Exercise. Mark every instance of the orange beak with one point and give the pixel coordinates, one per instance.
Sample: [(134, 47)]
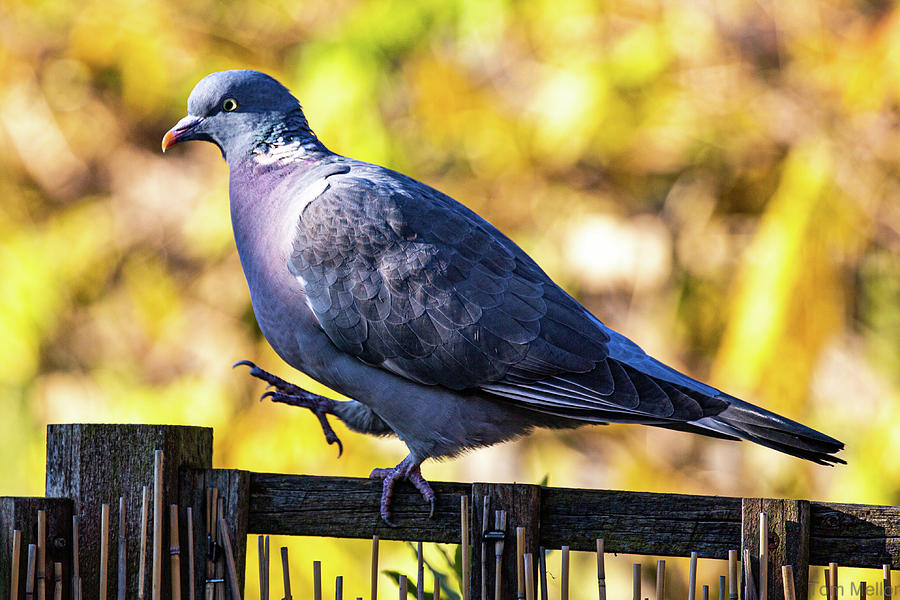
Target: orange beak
[(181, 132)]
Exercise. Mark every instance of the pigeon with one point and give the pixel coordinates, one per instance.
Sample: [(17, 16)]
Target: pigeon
[(438, 328)]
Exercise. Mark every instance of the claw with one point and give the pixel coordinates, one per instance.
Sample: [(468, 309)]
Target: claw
[(330, 436), (313, 403), (340, 447), (279, 390), (431, 510)]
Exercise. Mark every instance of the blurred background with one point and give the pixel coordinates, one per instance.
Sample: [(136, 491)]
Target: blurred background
[(718, 180)]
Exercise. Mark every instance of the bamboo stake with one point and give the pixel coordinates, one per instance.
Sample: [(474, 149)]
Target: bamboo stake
[(57, 581), (209, 548), (520, 562), (190, 543), (888, 587), (142, 565), (268, 568), (76, 567), (833, 567), (212, 503), (374, 581), (705, 593), (155, 589), (30, 571), (263, 567), (420, 569), (636, 581), (722, 587), (692, 577), (220, 564), (732, 575), (466, 549), (229, 557), (500, 525), (787, 578), (16, 553), (104, 550), (661, 580), (485, 516), (564, 574), (317, 580), (763, 556), (403, 595), (175, 552), (529, 576), (601, 570), (542, 567), (828, 584), (862, 591), (42, 555), (121, 560), (339, 588), (286, 574), (436, 595), (749, 584)]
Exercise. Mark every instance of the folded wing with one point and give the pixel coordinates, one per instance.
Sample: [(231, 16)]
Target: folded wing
[(407, 279)]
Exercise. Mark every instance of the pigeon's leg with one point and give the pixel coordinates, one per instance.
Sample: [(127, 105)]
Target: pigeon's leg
[(288, 393), (409, 470)]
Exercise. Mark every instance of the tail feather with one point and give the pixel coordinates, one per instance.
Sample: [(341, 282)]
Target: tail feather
[(746, 421)]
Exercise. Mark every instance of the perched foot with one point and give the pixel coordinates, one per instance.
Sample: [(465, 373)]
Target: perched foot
[(288, 393), (410, 471)]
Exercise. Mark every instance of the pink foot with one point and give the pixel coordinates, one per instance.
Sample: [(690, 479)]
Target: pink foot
[(288, 393), (412, 473)]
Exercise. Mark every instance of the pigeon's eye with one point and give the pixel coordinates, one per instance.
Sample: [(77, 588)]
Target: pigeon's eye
[(229, 104)]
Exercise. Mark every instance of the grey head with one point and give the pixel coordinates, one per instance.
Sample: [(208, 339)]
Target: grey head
[(235, 110)]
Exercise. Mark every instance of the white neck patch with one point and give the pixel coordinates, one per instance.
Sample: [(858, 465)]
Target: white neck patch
[(280, 152)]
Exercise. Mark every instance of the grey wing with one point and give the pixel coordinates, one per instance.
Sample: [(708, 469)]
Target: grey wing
[(408, 279)]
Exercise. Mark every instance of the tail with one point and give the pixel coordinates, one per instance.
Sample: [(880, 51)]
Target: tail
[(748, 422)]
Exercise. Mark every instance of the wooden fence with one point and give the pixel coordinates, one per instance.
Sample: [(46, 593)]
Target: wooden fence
[(88, 465)]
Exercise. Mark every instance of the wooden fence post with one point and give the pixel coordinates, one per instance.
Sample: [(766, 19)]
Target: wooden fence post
[(97, 463), (788, 541), (522, 504), (21, 514), (234, 490)]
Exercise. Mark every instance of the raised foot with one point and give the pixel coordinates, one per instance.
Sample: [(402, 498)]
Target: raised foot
[(293, 395), (411, 472)]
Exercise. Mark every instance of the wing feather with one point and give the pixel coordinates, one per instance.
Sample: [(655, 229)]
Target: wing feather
[(408, 279)]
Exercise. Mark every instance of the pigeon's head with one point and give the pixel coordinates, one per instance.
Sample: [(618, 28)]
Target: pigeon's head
[(231, 109)]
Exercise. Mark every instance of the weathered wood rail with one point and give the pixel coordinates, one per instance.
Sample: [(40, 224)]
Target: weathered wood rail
[(88, 465)]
